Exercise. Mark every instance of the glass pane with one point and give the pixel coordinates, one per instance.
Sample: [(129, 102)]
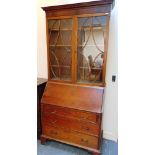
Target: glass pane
[(60, 37), (90, 49)]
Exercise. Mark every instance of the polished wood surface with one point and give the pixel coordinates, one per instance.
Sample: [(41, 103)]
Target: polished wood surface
[(91, 9), (44, 138), (78, 5), (65, 118), (68, 115), (102, 6), (72, 124), (74, 96), (86, 10), (48, 109), (106, 49), (71, 111), (74, 49), (70, 136)]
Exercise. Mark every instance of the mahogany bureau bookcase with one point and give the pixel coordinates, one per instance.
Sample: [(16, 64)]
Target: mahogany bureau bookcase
[(77, 44)]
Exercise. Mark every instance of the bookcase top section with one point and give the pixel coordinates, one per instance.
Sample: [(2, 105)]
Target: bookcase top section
[(79, 5)]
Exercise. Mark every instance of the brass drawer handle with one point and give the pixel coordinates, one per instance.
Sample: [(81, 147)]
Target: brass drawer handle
[(85, 141), (53, 112), (54, 122), (82, 117), (85, 128)]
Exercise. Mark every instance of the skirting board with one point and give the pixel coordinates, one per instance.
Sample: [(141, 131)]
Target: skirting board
[(110, 136)]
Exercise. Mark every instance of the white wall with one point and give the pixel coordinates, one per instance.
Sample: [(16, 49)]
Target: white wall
[(111, 92), (110, 100)]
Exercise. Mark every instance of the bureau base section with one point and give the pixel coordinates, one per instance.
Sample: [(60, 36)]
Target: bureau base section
[(94, 151)]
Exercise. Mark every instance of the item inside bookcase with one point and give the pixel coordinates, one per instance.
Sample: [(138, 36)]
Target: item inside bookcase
[(91, 48)]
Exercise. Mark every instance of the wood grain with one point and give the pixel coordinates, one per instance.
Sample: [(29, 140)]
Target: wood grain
[(105, 49), (70, 136), (74, 96), (78, 5), (86, 10), (48, 109), (71, 112), (72, 124)]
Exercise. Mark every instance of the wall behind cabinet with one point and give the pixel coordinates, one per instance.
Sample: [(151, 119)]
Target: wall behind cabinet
[(110, 100)]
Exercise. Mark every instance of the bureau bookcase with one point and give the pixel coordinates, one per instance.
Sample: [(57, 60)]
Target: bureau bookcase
[(77, 45)]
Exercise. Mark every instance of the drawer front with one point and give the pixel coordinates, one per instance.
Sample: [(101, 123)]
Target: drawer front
[(72, 124), (72, 113), (70, 136)]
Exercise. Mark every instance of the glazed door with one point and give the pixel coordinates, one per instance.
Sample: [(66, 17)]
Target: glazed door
[(91, 49), (60, 49), (77, 49)]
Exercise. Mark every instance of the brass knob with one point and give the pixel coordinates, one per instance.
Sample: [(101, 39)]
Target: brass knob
[(85, 141), (53, 112)]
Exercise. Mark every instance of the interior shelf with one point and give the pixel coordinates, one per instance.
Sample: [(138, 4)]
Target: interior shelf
[(71, 45), (95, 68), (62, 78), (57, 66), (60, 29), (60, 45), (91, 45), (88, 81), (94, 28)]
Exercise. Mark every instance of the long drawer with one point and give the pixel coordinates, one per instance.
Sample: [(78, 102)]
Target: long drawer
[(71, 113), (72, 124), (58, 133)]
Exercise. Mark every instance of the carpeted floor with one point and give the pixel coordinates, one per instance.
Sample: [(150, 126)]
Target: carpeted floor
[(54, 148)]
